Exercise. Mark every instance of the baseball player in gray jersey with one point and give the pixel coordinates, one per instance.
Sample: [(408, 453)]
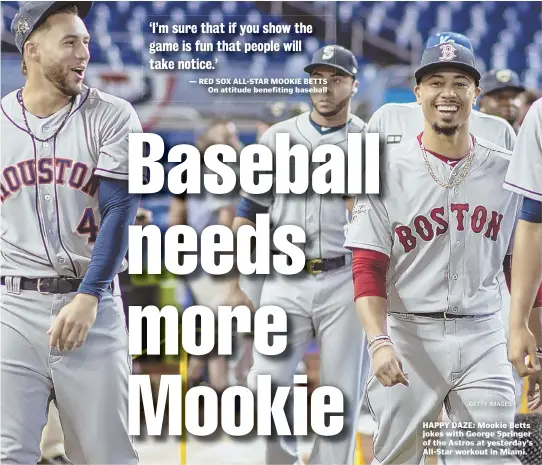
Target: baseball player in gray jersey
[(64, 234), (398, 122), (319, 301), (525, 177), (426, 255)]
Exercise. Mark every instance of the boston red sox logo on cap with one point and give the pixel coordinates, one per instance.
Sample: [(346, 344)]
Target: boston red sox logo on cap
[(447, 51), (447, 55)]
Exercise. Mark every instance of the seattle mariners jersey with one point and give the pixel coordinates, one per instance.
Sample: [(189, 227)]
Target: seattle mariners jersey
[(446, 246), (525, 172), (398, 122), (322, 217), (56, 180)]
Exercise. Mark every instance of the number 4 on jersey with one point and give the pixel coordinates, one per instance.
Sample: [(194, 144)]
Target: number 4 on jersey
[(88, 226)]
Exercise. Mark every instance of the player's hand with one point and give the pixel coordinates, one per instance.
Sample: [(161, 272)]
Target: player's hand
[(387, 367), (534, 399), (522, 343), (237, 297), (70, 328), (143, 217)]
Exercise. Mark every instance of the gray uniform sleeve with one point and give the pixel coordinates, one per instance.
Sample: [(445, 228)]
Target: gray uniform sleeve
[(374, 124), (114, 153), (266, 199), (525, 171), (370, 226)]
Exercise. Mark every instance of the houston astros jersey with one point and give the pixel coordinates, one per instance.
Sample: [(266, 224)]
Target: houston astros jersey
[(446, 245), (398, 122), (322, 217), (525, 172), (50, 212)]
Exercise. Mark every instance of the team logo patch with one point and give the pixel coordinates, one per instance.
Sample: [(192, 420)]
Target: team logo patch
[(22, 26), (329, 51), (448, 52), (394, 139), (503, 75), (358, 210)]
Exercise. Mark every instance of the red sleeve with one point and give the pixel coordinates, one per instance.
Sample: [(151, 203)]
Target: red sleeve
[(507, 268), (369, 273)]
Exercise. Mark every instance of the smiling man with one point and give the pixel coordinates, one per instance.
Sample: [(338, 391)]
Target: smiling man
[(426, 256), (65, 216)]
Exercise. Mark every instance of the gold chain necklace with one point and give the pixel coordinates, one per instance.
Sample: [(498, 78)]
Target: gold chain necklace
[(457, 180)]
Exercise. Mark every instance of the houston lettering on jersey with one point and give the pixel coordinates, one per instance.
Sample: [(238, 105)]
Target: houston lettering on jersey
[(77, 175), (479, 220)]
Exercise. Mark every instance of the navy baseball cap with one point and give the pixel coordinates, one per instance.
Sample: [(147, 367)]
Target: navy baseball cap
[(453, 37), (500, 79), (335, 56), (32, 14), (448, 55)]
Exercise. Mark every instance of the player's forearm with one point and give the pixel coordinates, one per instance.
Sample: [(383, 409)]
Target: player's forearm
[(369, 269), (372, 312), (118, 209), (226, 216), (526, 270)]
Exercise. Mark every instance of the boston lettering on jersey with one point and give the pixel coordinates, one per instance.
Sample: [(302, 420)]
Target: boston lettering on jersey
[(63, 171), (479, 220)]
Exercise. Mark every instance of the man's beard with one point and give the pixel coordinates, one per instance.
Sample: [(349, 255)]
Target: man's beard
[(54, 74), (338, 108), (445, 130)]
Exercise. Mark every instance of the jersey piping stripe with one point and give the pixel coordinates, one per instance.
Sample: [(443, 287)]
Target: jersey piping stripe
[(83, 100), (15, 124), (58, 210), (37, 198), (110, 171), (522, 188)]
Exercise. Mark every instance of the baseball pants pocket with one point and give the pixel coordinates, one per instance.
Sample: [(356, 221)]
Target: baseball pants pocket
[(26, 383), (484, 399), (91, 386), (401, 411), (26, 390)]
